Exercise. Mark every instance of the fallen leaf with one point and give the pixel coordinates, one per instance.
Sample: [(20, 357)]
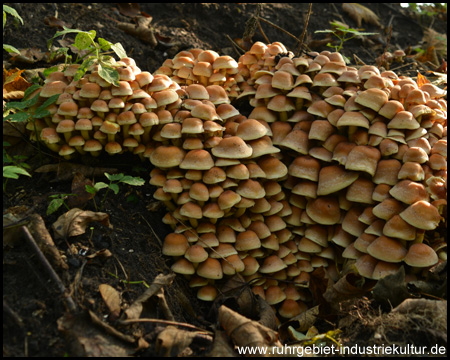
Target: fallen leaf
[(346, 288), (111, 297), (14, 85), (54, 22), (143, 30), (421, 80), (221, 346), (172, 341), (75, 221), (19, 216), (129, 9), (28, 56), (87, 338), (306, 319), (392, 289), (360, 13), (246, 332), (79, 183), (135, 309)]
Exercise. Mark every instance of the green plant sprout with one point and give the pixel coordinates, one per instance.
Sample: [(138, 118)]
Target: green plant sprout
[(12, 12), (58, 200), (344, 33), (114, 181), (27, 109), (18, 166), (90, 52)]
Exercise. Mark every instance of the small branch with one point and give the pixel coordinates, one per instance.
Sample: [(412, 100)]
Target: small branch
[(165, 322), (236, 47), (302, 36), (278, 28), (266, 39)]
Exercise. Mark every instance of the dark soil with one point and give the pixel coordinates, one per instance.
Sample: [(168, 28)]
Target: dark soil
[(32, 302)]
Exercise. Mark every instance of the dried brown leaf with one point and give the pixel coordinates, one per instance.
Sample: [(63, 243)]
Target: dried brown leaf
[(14, 85), (360, 13), (246, 332), (306, 319), (79, 183), (75, 221), (346, 288), (129, 9), (135, 310), (111, 297), (172, 341), (54, 22), (143, 30), (221, 346), (88, 336)]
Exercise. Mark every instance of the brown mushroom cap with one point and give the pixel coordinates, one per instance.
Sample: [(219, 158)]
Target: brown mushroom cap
[(197, 160), (409, 192), (175, 245), (387, 249), (334, 178), (210, 269), (372, 98), (232, 147), (421, 255), (324, 210), (167, 156), (272, 264), (422, 215), (196, 254)]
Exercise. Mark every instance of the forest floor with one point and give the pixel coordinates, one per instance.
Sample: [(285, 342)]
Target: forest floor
[(38, 314)]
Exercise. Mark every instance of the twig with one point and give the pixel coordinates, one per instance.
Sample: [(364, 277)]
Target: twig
[(53, 275), (236, 47), (302, 36), (358, 60), (165, 322), (266, 39), (402, 66), (279, 28)]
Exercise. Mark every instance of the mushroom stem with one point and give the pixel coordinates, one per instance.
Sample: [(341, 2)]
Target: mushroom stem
[(193, 222), (85, 134)]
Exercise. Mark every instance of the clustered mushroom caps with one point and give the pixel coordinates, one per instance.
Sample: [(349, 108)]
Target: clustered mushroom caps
[(334, 164)]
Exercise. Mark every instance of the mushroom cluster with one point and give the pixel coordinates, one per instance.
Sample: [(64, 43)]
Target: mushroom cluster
[(91, 115), (333, 165)]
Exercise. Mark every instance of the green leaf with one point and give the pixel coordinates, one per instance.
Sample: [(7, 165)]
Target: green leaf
[(135, 181), (4, 19), (30, 90), (60, 33), (104, 44), (83, 68), (90, 189), (83, 40), (114, 177), (42, 111), (119, 50), (54, 206), (13, 172), (11, 12), (50, 70), (115, 188), (17, 117), (109, 74), (100, 185), (10, 49)]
